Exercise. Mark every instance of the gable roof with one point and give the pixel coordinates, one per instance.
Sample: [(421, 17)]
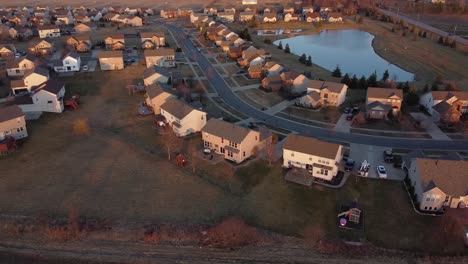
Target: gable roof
[(445, 95), (442, 107), (10, 112), (311, 146), (177, 108), (154, 90), (331, 86), (159, 52), (116, 36), (154, 69), (71, 54), (226, 130), (273, 79), (290, 75), (51, 86), (151, 34), (376, 104), (255, 68), (38, 70), (110, 54), (451, 176), (385, 93)]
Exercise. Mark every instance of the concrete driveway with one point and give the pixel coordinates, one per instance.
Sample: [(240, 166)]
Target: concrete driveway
[(374, 155), (343, 125)]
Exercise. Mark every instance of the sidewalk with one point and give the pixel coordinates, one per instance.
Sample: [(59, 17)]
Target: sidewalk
[(432, 129), (279, 107), (343, 125), (246, 87)]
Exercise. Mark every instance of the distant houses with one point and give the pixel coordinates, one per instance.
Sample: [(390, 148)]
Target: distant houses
[(445, 106)]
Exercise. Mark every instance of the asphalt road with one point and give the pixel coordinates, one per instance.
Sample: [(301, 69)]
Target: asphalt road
[(225, 92)]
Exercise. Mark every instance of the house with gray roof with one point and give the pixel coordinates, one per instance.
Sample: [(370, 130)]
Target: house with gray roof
[(183, 118)]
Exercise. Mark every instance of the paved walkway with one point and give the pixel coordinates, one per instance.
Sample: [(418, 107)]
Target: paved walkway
[(343, 125), (279, 107), (431, 128), (246, 87)]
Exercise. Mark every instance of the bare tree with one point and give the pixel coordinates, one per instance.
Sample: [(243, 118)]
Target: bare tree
[(270, 148), (192, 153), (171, 142)]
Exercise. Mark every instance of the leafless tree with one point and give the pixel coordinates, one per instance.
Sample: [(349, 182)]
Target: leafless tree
[(270, 148), (192, 153), (171, 142)]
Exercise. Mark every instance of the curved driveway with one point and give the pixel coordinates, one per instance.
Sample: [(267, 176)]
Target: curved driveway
[(224, 91)]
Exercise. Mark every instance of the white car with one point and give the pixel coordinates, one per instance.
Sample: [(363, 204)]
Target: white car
[(17, 55), (382, 173)]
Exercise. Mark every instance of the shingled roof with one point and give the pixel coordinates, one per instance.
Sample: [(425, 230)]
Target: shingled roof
[(177, 108), (226, 130), (311, 146), (375, 92), (10, 112)]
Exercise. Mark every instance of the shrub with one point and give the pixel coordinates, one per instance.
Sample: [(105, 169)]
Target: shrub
[(232, 232)]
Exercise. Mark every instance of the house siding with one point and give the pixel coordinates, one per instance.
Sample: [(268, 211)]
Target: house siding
[(15, 127), (249, 145), (191, 123)]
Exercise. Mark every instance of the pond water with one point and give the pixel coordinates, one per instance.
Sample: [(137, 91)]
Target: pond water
[(350, 49)]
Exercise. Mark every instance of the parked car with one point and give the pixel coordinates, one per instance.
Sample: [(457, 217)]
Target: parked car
[(349, 165), (381, 172), (17, 55), (85, 68), (349, 117), (388, 156), (355, 110), (347, 110)]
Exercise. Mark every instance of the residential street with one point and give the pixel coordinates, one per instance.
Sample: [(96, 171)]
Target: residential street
[(225, 92)]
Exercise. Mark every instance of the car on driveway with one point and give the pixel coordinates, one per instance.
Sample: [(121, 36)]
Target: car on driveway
[(388, 156), (85, 68), (349, 165), (349, 117), (381, 172), (347, 110), (355, 110)]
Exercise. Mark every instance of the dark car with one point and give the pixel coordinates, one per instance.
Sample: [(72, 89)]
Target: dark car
[(349, 165), (388, 156), (355, 110), (349, 117), (347, 110)]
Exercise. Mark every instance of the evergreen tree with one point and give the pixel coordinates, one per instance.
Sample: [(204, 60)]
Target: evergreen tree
[(280, 45), (363, 82), (412, 98), (303, 58), (399, 86), (372, 80), (434, 86), (286, 49), (354, 84), (337, 72), (385, 76), (309, 61), (406, 87), (346, 80), (426, 88)]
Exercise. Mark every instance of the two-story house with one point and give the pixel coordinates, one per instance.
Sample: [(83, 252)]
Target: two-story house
[(152, 40), (115, 42), (49, 31), (445, 106), (269, 18), (235, 143), (439, 183), (169, 13), (294, 82), (69, 63), (12, 122), (382, 101), (161, 57), (329, 94), (155, 74), (46, 97), (272, 68), (183, 119), (42, 47), (111, 60), (313, 17), (155, 97), (335, 17), (320, 158), (251, 56), (7, 51), (20, 32), (79, 43), (85, 27), (17, 67), (246, 16)]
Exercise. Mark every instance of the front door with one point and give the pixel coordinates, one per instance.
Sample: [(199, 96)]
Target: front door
[(221, 150)]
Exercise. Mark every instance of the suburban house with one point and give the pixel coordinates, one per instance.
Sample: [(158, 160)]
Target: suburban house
[(290, 17), (155, 97), (49, 31), (115, 42), (12, 122), (320, 158), (288, 10), (42, 47), (17, 67), (134, 21), (445, 106), (249, 2), (155, 74), (79, 43), (307, 9), (272, 83), (295, 82), (235, 143), (234, 52), (439, 183), (82, 19), (169, 13), (152, 40), (69, 63), (184, 11), (65, 19), (46, 97), (183, 119), (226, 15), (95, 15), (230, 9), (382, 101), (246, 16), (335, 17), (251, 56), (255, 71), (161, 57), (329, 94), (313, 17), (269, 18), (110, 16), (210, 10), (35, 77), (111, 60), (20, 32), (7, 51), (272, 68), (85, 27)]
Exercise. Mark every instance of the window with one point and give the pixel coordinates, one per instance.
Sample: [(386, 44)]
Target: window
[(232, 144), (21, 128), (18, 71), (425, 208), (230, 154), (17, 130), (256, 138), (428, 199), (49, 102), (292, 154), (222, 140), (202, 117), (430, 208), (243, 153), (310, 158)]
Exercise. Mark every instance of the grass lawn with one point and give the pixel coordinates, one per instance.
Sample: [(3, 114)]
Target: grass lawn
[(263, 98), (219, 69), (185, 70), (230, 82), (231, 69), (243, 81), (327, 115)]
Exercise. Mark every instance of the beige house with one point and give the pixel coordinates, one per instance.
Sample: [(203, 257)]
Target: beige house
[(234, 142), (313, 17), (269, 18), (79, 43), (226, 15), (155, 97), (161, 57), (111, 60), (183, 119), (335, 17), (329, 94), (42, 47), (19, 66), (152, 40), (49, 31), (272, 68), (85, 27), (7, 51), (155, 74), (320, 158), (35, 77), (169, 13), (12, 122), (381, 101), (445, 106), (251, 56), (295, 82), (246, 16), (115, 42), (439, 183)]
